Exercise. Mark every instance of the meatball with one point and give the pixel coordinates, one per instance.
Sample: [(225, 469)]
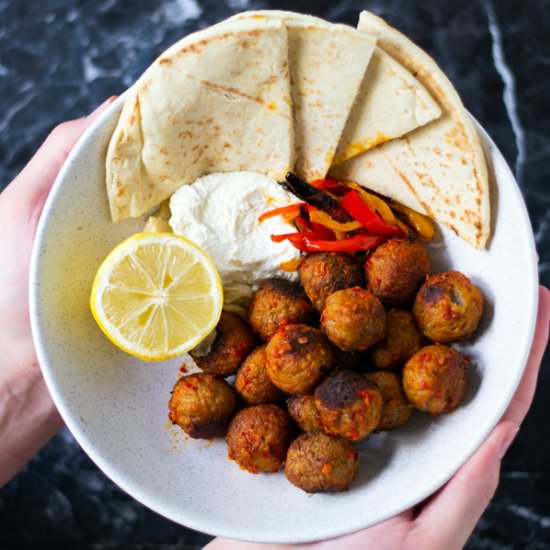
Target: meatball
[(277, 303), (303, 411), (349, 406), (353, 319), (258, 438), (402, 339), (234, 341), (396, 410), (202, 405), (298, 357), (448, 307), (319, 463), (252, 382), (396, 269), (323, 273), (434, 379)]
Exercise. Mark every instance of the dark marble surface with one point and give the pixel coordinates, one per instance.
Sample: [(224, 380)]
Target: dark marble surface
[(60, 58)]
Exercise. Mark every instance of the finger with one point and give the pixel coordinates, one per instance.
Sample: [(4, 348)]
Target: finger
[(231, 544), (449, 518), (372, 537), (526, 390), (386, 535), (359, 540), (461, 502), (40, 172)]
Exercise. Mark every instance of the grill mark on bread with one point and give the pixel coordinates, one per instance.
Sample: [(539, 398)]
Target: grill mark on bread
[(230, 92)]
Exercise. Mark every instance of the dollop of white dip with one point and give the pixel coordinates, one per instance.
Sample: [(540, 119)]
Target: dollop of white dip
[(219, 212)]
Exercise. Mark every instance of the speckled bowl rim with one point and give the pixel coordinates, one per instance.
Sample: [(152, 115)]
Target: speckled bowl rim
[(200, 522)]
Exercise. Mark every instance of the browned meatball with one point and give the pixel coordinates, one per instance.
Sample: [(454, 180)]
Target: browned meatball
[(277, 303), (303, 411), (448, 307), (319, 463), (298, 357), (202, 405), (258, 438), (349, 406), (434, 379), (353, 319), (234, 341), (396, 410), (252, 382), (396, 269), (402, 339), (323, 273)]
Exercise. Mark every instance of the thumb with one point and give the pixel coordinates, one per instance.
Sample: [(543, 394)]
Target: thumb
[(39, 174), (452, 514)]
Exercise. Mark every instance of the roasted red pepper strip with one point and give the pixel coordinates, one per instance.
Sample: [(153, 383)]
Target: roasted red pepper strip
[(314, 230), (351, 244), (330, 185), (321, 232), (356, 207), (305, 243), (292, 210), (302, 224), (284, 237)]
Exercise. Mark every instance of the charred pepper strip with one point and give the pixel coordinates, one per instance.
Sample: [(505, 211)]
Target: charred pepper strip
[(356, 243), (375, 203), (315, 197), (358, 209), (305, 243), (330, 185)]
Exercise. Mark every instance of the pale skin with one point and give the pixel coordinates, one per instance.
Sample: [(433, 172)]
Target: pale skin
[(28, 418)]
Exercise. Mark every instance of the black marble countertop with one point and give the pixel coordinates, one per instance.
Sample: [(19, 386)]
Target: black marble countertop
[(60, 58)]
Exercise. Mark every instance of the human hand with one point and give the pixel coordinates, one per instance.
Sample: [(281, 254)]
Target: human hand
[(446, 520), (28, 418)]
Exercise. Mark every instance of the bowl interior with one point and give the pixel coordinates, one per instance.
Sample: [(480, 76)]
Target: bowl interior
[(116, 406)]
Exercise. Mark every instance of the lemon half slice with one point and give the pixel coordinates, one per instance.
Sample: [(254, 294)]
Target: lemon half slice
[(156, 296)]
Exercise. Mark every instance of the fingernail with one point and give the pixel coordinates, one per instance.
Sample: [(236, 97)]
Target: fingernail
[(506, 442)]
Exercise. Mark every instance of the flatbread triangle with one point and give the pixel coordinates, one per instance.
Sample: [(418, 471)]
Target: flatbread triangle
[(439, 169), (216, 101), (328, 63)]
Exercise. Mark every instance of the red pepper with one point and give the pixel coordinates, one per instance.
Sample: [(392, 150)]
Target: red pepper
[(356, 207), (302, 224), (314, 230), (321, 232), (330, 185), (283, 237), (304, 242)]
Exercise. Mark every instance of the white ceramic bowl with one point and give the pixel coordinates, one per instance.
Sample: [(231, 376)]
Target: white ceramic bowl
[(116, 406)]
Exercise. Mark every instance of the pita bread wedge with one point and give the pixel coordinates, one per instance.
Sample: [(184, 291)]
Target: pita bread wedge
[(439, 169), (327, 66), (390, 104), (216, 101)]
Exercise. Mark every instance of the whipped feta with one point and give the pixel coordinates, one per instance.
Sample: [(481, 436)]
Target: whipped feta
[(219, 212)]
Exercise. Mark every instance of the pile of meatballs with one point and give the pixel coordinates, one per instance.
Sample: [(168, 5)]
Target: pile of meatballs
[(355, 347)]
